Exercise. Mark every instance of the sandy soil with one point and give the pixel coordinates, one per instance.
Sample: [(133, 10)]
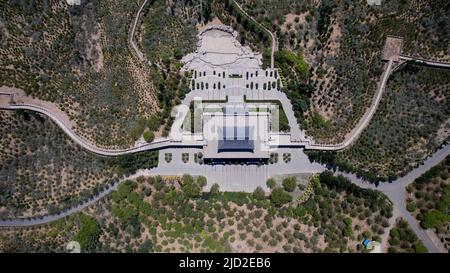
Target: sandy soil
[(201, 26), (219, 49), (443, 132), (148, 102), (336, 34), (95, 52)]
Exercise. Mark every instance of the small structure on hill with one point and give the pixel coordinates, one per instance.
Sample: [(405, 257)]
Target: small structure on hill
[(373, 246), (393, 48)]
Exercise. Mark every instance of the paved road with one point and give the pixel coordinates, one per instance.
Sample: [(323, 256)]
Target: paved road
[(396, 191), (272, 36), (229, 178)]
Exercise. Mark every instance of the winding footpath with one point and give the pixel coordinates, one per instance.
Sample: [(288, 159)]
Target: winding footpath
[(365, 120), (10, 99), (272, 36), (131, 41), (389, 68), (61, 119), (425, 62)]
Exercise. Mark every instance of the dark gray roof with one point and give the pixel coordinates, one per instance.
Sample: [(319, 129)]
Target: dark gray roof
[(235, 139), (242, 145)]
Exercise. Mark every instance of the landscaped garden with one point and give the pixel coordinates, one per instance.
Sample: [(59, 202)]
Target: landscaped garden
[(273, 159), (185, 157), (287, 157), (198, 158), (168, 157)]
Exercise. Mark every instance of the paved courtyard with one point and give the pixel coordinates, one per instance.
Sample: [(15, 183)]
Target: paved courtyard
[(392, 49), (235, 177), (218, 48)]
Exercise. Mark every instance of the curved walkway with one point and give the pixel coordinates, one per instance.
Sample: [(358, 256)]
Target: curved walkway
[(389, 68), (365, 120), (132, 43), (425, 62), (273, 36), (64, 123), (40, 220), (396, 192)]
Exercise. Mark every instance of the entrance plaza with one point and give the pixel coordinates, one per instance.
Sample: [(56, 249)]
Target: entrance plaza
[(232, 176), (232, 117)]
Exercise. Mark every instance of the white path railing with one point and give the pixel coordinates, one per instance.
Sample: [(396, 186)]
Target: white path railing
[(425, 62)]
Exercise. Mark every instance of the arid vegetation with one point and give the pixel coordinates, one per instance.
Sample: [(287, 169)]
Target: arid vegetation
[(168, 214), (168, 30), (250, 33), (167, 33), (49, 238), (330, 61), (429, 200), (342, 42), (42, 171), (410, 123), (402, 239)]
